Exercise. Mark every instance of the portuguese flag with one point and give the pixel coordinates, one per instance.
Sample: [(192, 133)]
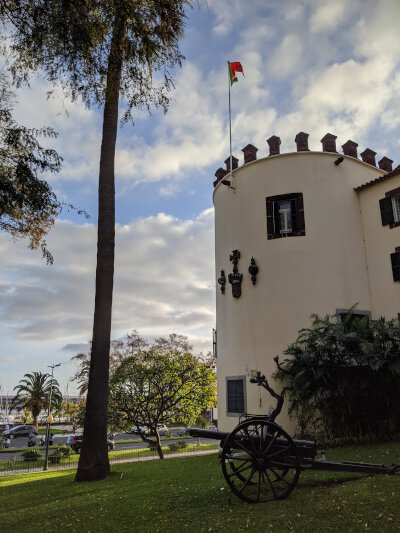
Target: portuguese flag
[(233, 68)]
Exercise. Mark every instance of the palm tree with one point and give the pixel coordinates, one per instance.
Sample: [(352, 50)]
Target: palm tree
[(33, 393)]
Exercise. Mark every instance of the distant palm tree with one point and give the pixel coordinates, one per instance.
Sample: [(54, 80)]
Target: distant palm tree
[(33, 393)]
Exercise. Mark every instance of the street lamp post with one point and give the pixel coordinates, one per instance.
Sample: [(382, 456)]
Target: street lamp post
[(49, 419)]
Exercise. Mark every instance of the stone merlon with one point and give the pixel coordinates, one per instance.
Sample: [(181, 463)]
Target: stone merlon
[(250, 153)]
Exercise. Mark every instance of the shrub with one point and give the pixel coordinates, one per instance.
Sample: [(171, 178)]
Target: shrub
[(177, 445), (55, 458), (202, 422), (60, 453), (31, 455), (343, 378), (65, 451)]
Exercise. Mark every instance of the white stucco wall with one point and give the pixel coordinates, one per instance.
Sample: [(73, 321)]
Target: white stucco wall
[(380, 242), (320, 272)]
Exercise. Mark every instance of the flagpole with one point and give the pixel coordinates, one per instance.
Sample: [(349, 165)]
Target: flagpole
[(230, 126)]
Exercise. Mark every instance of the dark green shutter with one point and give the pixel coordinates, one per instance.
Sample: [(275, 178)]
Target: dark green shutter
[(386, 211), (270, 224), (301, 226), (277, 218), (395, 258), (235, 396)]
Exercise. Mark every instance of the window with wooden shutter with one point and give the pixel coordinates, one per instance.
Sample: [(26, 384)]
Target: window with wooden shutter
[(270, 219), (285, 216), (390, 208), (395, 258), (236, 395), (385, 205)]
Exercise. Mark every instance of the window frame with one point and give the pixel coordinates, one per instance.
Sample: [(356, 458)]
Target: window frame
[(396, 208), (388, 211), (243, 380), (395, 260), (358, 313), (273, 212)]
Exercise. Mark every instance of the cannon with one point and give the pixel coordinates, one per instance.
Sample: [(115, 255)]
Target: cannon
[(261, 462)]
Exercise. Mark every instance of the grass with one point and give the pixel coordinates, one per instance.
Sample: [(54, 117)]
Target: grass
[(116, 455), (190, 494), (42, 431)]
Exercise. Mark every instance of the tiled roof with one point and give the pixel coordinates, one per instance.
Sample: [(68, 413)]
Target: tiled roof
[(371, 183)]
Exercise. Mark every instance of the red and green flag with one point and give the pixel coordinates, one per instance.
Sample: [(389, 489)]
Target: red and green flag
[(234, 67)]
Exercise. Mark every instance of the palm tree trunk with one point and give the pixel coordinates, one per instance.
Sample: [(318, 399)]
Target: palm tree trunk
[(35, 415), (93, 462)]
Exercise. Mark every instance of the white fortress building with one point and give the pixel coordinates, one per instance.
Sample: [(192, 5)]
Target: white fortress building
[(322, 233)]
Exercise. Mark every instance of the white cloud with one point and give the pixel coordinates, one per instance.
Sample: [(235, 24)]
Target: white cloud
[(328, 15), (12, 359), (79, 130), (164, 271)]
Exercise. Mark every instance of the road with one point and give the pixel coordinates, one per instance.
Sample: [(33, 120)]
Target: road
[(61, 440)]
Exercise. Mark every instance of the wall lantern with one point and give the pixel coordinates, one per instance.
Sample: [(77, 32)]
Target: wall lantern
[(253, 271), (222, 281)]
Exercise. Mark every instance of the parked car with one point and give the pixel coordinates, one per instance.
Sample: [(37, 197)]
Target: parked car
[(75, 441), (162, 430), (23, 430), (144, 429)]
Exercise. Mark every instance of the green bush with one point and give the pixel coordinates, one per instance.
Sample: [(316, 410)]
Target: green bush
[(65, 451), (202, 422), (177, 445), (31, 455), (60, 453), (55, 458), (342, 377)]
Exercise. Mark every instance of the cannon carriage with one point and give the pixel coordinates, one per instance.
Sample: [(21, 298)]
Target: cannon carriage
[(261, 462)]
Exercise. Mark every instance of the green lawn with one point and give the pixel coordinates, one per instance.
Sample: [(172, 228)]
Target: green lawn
[(190, 494), (125, 455), (42, 431)]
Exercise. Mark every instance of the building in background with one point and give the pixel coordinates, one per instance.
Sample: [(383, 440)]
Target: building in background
[(295, 234)]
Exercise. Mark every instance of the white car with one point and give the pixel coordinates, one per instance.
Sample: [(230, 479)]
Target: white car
[(162, 430), (144, 429)]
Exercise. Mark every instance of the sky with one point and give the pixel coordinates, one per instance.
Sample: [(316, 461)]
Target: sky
[(317, 66)]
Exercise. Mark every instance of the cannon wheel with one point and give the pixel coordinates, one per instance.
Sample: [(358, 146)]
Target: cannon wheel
[(256, 467)]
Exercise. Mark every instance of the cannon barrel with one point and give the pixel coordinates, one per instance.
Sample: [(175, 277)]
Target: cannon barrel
[(305, 448), (208, 434)]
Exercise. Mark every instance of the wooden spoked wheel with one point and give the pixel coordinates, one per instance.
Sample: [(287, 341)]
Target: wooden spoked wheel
[(260, 461)]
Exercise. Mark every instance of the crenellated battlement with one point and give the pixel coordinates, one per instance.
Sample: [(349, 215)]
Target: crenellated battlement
[(328, 142)]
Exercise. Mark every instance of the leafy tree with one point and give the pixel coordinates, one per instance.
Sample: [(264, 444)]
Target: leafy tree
[(71, 412), (119, 350), (100, 50), (129, 345), (80, 414), (58, 408), (160, 386), (33, 393), (28, 206), (343, 377)]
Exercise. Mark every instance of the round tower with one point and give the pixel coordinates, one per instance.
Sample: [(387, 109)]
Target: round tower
[(288, 243)]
